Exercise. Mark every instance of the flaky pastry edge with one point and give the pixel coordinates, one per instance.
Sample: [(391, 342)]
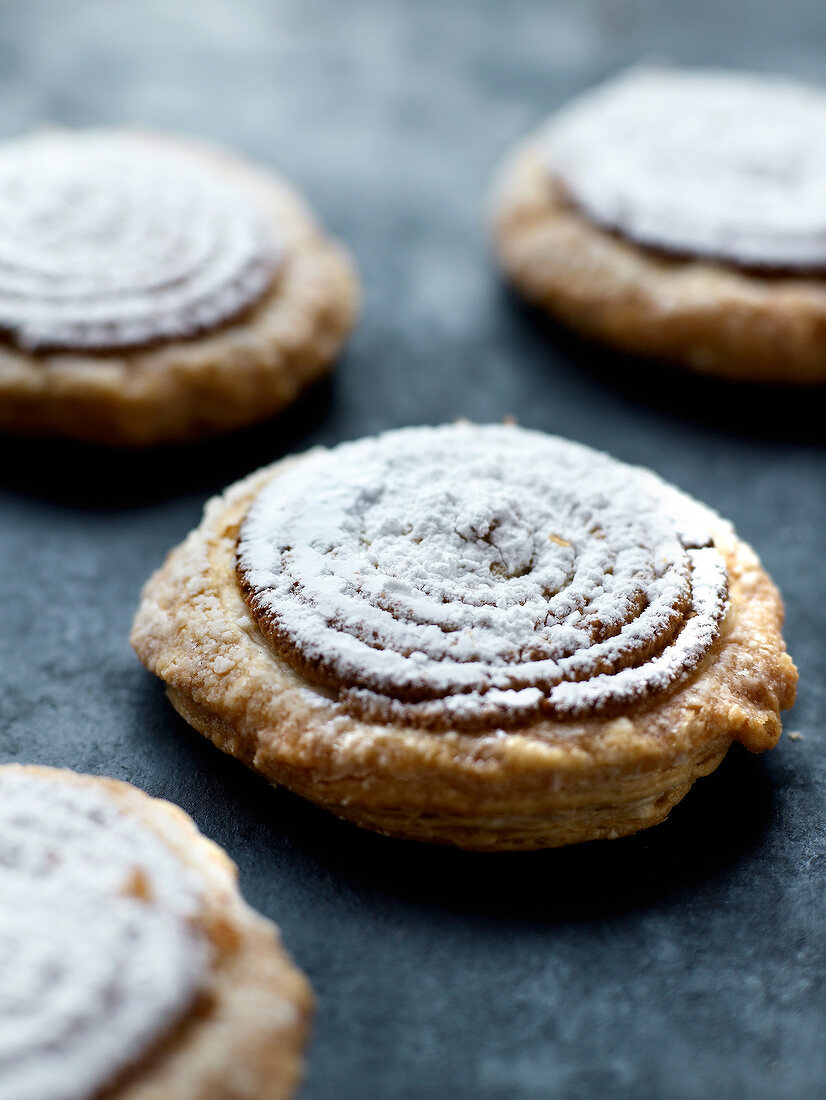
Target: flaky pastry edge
[(542, 785), (712, 317), (243, 371), (244, 1036)]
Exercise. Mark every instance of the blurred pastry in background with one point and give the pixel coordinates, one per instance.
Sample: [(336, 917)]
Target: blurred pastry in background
[(155, 289), (131, 966), (679, 214), (471, 635)]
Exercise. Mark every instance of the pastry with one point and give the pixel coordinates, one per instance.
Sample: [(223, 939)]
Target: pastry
[(131, 966), (481, 636), (678, 214), (155, 289)]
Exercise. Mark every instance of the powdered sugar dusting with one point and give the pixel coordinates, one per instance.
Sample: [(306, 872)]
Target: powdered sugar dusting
[(478, 576), (716, 164), (108, 239), (98, 955)]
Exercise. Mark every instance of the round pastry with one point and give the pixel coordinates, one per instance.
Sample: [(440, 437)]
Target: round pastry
[(154, 289), (130, 966), (481, 636), (679, 214)]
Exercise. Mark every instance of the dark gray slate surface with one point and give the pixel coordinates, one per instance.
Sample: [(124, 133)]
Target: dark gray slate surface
[(687, 962)]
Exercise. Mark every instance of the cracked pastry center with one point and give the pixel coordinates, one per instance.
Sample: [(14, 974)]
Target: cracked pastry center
[(471, 577), (108, 239)]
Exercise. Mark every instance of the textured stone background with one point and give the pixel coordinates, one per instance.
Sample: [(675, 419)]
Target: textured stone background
[(687, 962)]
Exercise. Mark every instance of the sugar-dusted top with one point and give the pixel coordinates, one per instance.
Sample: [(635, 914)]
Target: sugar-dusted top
[(111, 239), (98, 952), (716, 164), (479, 576)]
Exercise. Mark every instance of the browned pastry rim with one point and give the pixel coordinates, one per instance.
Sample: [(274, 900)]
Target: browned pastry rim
[(243, 1038), (241, 372), (546, 784), (710, 316)]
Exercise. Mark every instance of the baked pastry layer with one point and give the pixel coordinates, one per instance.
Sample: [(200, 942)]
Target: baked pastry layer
[(534, 781), (135, 968), (222, 325), (745, 300)]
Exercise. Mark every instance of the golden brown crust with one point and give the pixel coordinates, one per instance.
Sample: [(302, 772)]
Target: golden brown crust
[(237, 374), (711, 317), (243, 1039), (546, 784)]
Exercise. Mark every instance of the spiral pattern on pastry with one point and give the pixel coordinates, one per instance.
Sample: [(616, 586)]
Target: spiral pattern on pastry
[(472, 577), (716, 164), (99, 955), (109, 239)]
